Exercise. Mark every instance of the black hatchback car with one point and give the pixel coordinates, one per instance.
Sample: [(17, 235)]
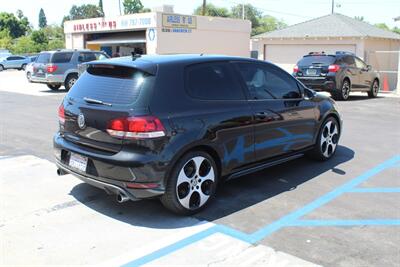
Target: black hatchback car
[(174, 126), (338, 74)]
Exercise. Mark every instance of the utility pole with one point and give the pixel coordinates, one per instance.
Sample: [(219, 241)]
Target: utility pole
[(242, 11), (203, 12), (119, 2), (333, 6)]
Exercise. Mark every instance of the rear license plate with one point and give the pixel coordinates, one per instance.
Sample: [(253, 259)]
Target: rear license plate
[(78, 162), (311, 72)]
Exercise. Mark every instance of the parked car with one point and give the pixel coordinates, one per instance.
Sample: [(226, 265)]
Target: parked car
[(56, 68), (29, 67), (14, 62), (174, 126), (338, 74)]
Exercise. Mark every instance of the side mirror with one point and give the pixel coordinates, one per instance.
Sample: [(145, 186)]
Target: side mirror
[(369, 67)]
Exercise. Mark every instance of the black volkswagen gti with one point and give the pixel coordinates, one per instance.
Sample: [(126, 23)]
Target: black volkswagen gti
[(174, 126), (338, 74)]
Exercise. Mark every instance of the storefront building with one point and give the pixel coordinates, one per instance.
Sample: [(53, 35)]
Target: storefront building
[(160, 33)]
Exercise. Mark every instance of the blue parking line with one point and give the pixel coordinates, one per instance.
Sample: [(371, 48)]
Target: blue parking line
[(292, 219), (376, 190), (288, 219), (378, 222), (173, 247)]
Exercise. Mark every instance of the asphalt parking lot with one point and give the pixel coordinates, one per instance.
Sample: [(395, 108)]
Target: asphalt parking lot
[(344, 212)]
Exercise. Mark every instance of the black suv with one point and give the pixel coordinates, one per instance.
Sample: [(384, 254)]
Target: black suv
[(174, 126), (338, 74)]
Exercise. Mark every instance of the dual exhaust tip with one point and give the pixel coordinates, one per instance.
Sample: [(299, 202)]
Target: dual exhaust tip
[(121, 197)]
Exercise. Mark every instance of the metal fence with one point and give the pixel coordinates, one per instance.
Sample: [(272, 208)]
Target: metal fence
[(387, 63)]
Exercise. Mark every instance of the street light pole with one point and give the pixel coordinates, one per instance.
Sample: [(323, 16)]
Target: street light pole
[(333, 6), (203, 12)]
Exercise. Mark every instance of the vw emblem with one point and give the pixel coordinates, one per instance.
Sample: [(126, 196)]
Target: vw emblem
[(81, 121)]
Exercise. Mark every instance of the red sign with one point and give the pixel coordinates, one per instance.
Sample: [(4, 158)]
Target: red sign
[(101, 25)]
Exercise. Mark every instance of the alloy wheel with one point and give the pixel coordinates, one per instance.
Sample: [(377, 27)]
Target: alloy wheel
[(345, 90), (375, 88), (71, 82), (195, 182), (329, 138)]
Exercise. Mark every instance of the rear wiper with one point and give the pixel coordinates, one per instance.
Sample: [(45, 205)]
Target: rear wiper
[(95, 101)]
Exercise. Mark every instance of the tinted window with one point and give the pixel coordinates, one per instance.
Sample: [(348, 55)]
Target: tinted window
[(213, 81), (309, 60), (360, 64), (111, 84), (61, 57), (348, 60), (11, 58), (268, 82), (43, 58)]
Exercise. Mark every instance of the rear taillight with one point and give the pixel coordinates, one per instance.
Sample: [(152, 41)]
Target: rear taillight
[(51, 68), (333, 68), (136, 127), (61, 114), (296, 69)]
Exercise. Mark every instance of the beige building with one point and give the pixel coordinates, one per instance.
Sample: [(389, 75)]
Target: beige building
[(332, 33), (160, 33)]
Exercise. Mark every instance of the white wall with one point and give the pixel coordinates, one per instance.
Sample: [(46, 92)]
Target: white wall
[(286, 52), (212, 36)]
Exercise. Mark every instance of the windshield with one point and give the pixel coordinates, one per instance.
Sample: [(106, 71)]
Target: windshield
[(316, 60), (111, 84)]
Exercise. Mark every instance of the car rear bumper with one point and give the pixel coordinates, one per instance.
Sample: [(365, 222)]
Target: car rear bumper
[(319, 84), (115, 177), (48, 79)]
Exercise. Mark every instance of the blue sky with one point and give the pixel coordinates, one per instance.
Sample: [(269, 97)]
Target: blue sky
[(291, 11)]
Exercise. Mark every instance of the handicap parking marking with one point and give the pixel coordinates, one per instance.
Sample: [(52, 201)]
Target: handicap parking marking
[(292, 219)]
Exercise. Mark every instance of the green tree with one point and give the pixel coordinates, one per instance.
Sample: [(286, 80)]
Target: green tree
[(360, 18), (267, 24), (5, 40), (15, 26), (83, 12), (56, 44), (212, 11), (382, 26), (396, 30), (101, 7), (133, 6), (250, 12), (23, 44), (42, 19), (40, 39)]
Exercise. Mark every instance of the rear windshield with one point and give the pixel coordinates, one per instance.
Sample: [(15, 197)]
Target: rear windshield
[(43, 58), (310, 60), (61, 57), (111, 84)]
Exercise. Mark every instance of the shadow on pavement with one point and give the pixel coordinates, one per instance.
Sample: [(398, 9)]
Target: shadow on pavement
[(232, 196)]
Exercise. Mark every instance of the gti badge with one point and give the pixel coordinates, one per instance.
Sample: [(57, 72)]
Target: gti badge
[(81, 121)]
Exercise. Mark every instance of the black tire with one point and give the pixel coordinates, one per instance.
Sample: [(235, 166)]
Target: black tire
[(23, 67), (54, 87), (373, 91), (70, 81), (195, 185), (28, 76), (344, 92), (319, 152), (1, 67)]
